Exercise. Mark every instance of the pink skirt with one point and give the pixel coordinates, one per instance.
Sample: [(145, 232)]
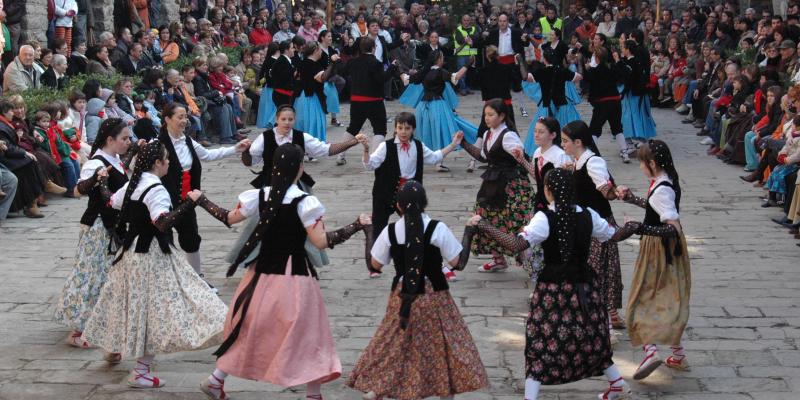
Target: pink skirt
[(285, 337)]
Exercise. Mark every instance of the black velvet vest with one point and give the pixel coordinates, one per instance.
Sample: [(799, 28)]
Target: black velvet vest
[(270, 145), (172, 180), (587, 195), (431, 264), (651, 217), (97, 206), (287, 238), (577, 268), (502, 169), (140, 226), (387, 176)]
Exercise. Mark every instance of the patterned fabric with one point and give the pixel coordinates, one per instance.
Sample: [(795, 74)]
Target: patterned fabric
[(83, 285), (155, 303), (563, 344), (658, 305), (604, 260), (434, 356), (776, 182), (517, 212)]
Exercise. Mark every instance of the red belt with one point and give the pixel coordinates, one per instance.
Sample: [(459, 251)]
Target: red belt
[(401, 182), (284, 92), (186, 184), (360, 98), (505, 60), (505, 101), (609, 98)]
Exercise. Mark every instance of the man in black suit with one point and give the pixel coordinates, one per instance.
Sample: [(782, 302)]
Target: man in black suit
[(381, 50), (129, 65), (510, 42)]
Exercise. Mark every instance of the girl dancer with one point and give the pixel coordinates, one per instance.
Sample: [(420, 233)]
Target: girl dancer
[(281, 286), (637, 120), (103, 172), (437, 122), (548, 155), (184, 175), (311, 104), (658, 306), (604, 96), (505, 195), (423, 347), (334, 83), (553, 102), (567, 336), (266, 105), (153, 302), (395, 162), (282, 75), (495, 83), (594, 187)]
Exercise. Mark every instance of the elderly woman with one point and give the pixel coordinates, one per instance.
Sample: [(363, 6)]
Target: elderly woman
[(99, 63), (55, 77)]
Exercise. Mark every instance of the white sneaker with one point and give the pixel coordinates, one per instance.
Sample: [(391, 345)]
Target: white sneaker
[(706, 141), (625, 157), (341, 160), (648, 365)]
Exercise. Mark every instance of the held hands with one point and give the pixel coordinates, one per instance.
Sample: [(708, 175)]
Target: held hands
[(473, 220), (194, 195), (623, 192), (365, 219), (518, 154), (570, 166), (102, 173), (457, 138), (243, 145)]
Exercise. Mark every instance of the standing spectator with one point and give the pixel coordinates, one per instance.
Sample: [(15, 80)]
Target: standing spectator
[(549, 22), (55, 76), (571, 22), (84, 22), (608, 26), (66, 10), (141, 8), (586, 31), (465, 39), (15, 11), (627, 23), (20, 74)]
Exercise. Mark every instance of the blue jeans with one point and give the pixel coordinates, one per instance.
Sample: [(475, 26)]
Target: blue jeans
[(222, 117), (711, 122), (69, 170), (687, 99), (750, 151), (460, 62), (8, 183)]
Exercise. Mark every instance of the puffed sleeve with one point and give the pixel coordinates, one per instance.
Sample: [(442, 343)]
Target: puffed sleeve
[(248, 202), (511, 141), (88, 169), (381, 247), (118, 197), (310, 210), (663, 202), (601, 229), (257, 149), (598, 171), (158, 202), (447, 243), (538, 230)]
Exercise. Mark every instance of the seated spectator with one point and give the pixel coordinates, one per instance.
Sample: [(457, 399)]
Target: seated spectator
[(30, 182), (55, 77), (123, 91), (78, 62), (54, 141), (168, 45), (131, 64), (112, 110), (94, 117), (259, 35), (221, 112), (99, 63), (21, 76)]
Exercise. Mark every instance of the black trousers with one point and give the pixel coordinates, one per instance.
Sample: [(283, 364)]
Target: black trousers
[(361, 111), (606, 111), (188, 233), (789, 180), (281, 99), (382, 210), (482, 128)]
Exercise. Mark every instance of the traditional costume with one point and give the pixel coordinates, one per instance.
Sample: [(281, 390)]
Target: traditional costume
[(310, 105), (556, 96), (637, 119), (436, 122), (266, 105)]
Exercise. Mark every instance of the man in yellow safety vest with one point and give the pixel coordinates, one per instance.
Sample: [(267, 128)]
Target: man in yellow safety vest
[(550, 21), (465, 40)]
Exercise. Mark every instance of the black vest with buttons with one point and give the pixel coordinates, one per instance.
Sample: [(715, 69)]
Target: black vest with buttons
[(172, 180), (502, 168), (387, 176), (98, 207), (587, 195), (577, 268), (287, 238), (651, 217), (141, 229), (270, 145), (431, 263)]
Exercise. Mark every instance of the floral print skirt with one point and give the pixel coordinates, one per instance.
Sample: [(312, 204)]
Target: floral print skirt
[(155, 303), (566, 342), (604, 260), (512, 217), (83, 285), (658, 304), (434, 356)]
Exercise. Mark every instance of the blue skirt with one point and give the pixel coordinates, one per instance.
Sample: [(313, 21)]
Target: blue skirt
[(436, 124), (564, 114), (414, 92), (310, 117), (266, 109), (331, 97), (637, 120)]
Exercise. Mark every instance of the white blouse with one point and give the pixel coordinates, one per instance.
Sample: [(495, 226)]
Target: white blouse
[(596, 167), (511, 139), (157, 200), (310, 210), (314, 147), (407, 159), (185, 156), (442, 238), (90, 166), (538, 230), (663, 200), (554, 155)]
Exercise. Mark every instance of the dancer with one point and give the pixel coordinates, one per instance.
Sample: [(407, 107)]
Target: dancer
[(310, 104), (553, 101), (437, 122), (658, 306), (282, 75), (495, 83), (505, 194), (184, 175), (266, 105), (567, 341), (637, 121), (602, 76), (396, 161), (334, 83), (103, 173), (423, 347), (367, 76), (594, 187), (153, 302), (548, 155), (278, 330)]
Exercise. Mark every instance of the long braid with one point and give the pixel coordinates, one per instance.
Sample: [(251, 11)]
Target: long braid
[(663, 158), (560, 183), (412, 201), (146, 158)]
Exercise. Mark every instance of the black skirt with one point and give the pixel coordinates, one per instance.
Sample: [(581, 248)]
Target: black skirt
[(30, 185)]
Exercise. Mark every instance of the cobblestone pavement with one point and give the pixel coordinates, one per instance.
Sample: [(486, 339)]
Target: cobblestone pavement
[(742, 339)]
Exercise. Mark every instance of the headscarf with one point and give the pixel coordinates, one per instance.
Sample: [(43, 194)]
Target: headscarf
[(560, 183), (285, 166), (412, 202), (663, 158)]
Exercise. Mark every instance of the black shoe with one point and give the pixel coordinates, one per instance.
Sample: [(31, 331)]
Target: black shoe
[(783, 221)]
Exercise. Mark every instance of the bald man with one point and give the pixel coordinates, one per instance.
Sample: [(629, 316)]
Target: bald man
[(20, 74)]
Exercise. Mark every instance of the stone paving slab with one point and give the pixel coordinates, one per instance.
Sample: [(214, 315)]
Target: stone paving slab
[(742, 338)]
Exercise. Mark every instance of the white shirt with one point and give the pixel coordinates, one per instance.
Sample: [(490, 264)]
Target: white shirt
[(442, 238), (378, 53), (407, 159), (511, 139), (596, 167), (538, 230), (185, 156), (554, 155), (157, 200), (315, 148), (663, 200), (91, 165), (310, 210), (504, 47)]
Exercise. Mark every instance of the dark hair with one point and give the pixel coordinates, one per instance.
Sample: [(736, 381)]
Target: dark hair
[(298, 41), (5, 106), (92, 52), (373, 20), (553, 126), (411, 202), (40, 115), (578, 129), (658, 151), (168, 111), (284, 46), (501, 108), (322, 34), (367, 44), (310, 48), (76, 95), (58, 42), (561, 184), (283, 108), (110, 128), (406, 118)]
